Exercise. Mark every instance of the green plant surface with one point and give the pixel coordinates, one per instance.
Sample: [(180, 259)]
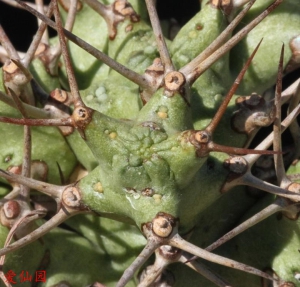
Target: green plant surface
[(144, 143)]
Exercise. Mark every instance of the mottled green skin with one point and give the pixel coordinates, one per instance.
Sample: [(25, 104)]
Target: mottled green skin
[(124, 166), (88, 257), (141, 151), (131, 148), (284, 23), (48, 145), (275, 240)]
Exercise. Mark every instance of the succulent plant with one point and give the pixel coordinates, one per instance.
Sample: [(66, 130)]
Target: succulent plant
[(125, 156)]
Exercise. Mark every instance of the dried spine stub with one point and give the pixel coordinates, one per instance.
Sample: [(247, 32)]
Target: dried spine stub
[(163, 224)]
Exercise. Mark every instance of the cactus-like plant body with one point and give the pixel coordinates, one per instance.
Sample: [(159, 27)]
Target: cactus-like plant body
[(135, 143)]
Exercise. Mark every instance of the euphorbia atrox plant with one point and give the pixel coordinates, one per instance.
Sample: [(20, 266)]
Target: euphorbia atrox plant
[(145, 138)]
